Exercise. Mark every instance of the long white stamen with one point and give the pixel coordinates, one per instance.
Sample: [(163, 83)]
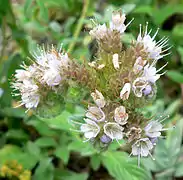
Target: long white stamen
[(161, 68), (129, 22), (155, 33), (146, 28)]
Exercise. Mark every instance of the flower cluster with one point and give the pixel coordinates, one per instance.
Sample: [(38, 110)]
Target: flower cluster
[(120, 80), (46, 73)]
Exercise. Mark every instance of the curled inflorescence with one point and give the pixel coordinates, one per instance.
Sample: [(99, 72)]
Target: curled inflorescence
[(120, 80)]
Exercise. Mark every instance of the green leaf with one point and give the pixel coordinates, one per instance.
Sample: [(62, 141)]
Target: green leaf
[(127, 8), (121, 169), (85, 149), (62, 153), (41, 127), (46, 142), (28, 8), (95, 162), (175, 76), (69, 175), (17, 134), (43, 11), (159, 16), (44, 170), (33, 149), (180, 51), (179, 170)]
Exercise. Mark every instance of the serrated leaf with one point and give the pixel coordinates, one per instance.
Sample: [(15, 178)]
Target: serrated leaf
[(118, 166)]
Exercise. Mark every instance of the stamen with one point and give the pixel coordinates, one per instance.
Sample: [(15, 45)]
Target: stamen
[(166, 49), (166, 54), (129, 22), (155, 33), (161, 67), (146, 28), (140, 33), (151, 156)]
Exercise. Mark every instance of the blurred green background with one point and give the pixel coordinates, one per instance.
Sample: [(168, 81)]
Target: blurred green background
[(45, 149)]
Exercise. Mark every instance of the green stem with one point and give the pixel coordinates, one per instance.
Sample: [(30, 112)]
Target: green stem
[(79, 25), (4, 38)]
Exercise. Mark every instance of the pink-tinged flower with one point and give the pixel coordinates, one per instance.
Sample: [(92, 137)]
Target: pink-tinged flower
[(120, 115), (139, 64), (125, 92), (95, 113)]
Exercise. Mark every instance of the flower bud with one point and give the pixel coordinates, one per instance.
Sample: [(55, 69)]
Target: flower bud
[(98, 98), (115, 61), (125, 92)]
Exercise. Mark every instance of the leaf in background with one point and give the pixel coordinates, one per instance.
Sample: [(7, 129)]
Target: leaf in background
[(95, 162), (179, 170), (127, 8), (69, 175), (180, 51), (33, 149), (160, 15), (28, 9), (85, 149), (45, 170), (144, 9), (17, 134), (62, 153), (175, 76), (121, 169), (43, 14), (41, 127), (46, 142), (59, 122)]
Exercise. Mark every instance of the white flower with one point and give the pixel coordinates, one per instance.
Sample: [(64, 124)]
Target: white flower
[(98, 98), (139, 85), (99, 31), (51, 77), (139, 64), (30, 95), (90, 129), (51, 64), (125, 92), (117, 22), (155, 49), (120, 115), (21, 74), (115, 60), (153, 129), (95, 114), (150, 74), (113, 130)]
